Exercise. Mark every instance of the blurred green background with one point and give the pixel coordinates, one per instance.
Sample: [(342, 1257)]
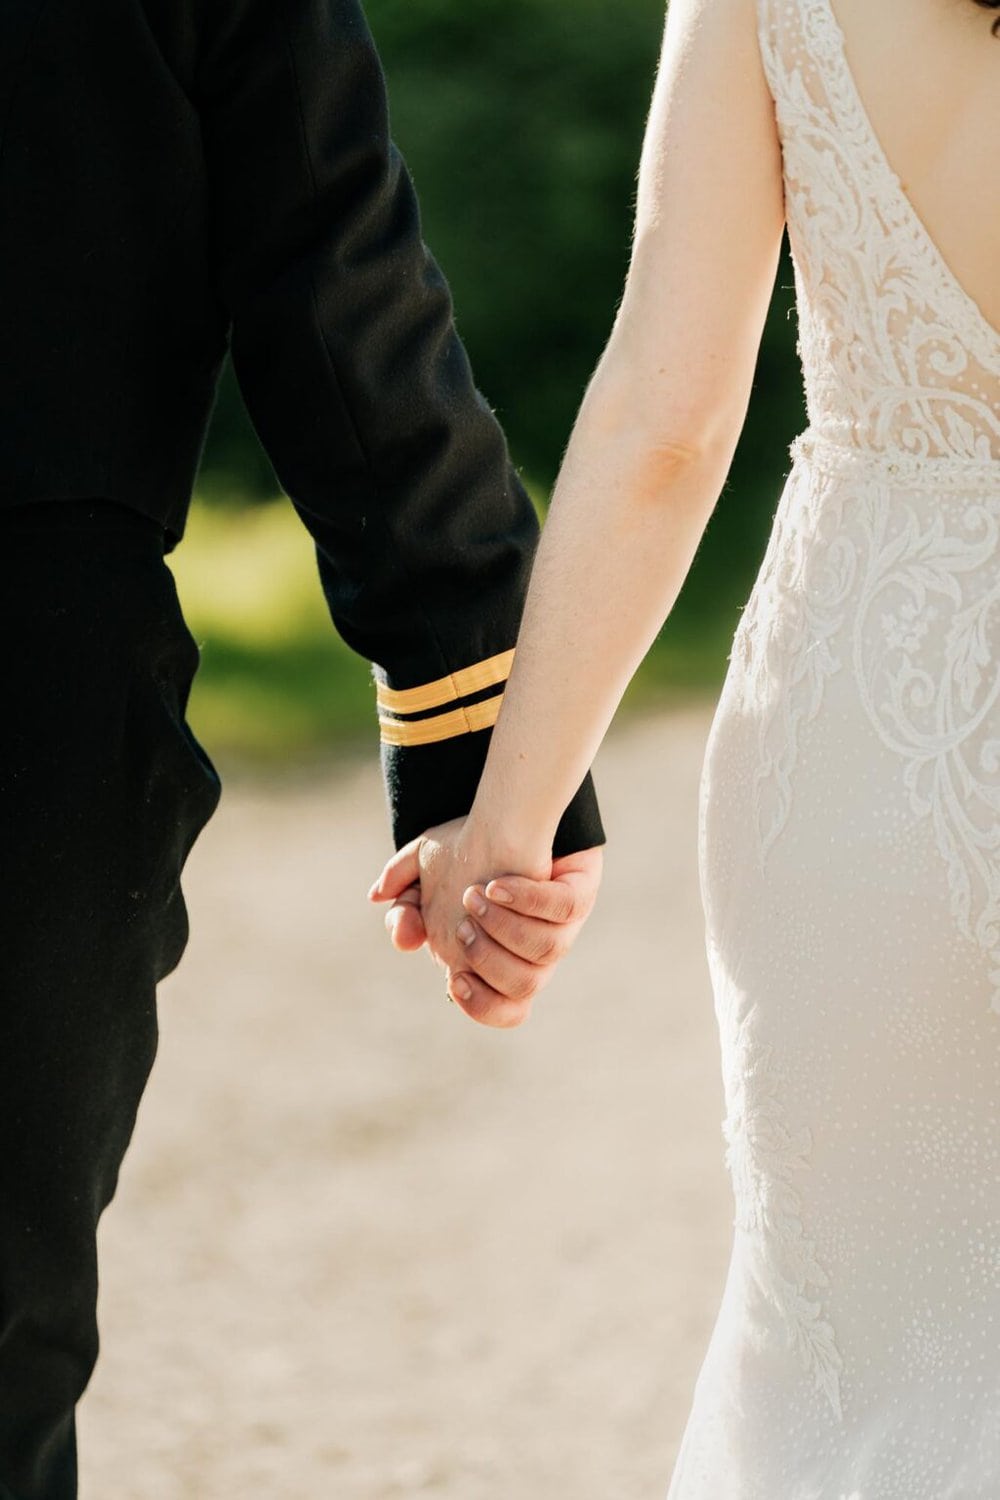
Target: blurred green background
[(521, 123)]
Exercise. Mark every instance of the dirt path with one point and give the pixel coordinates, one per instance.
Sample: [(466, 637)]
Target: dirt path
[(364, 1248)]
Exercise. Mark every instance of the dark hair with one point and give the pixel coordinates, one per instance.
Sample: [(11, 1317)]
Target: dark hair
[(992, 5)]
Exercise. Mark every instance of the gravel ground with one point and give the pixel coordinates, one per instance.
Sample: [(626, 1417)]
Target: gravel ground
[(364, 1248)]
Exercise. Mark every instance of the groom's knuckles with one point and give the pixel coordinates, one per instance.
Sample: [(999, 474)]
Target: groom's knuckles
[(544, 942), (532, 938), (529, 897), (510, 976), (548, 900), (562, 903), (529, 938), (512, 984)]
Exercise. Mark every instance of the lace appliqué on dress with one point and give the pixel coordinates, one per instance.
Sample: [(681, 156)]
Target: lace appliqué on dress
[(926, 645), (909, 593), (782, 646)]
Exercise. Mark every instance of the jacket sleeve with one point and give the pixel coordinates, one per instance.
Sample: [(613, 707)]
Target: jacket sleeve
[(344, 345)]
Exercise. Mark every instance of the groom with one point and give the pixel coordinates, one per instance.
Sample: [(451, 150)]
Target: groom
[(177, 178)]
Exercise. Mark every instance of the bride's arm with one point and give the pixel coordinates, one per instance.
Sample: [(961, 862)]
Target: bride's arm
[(647, 460), (659, 424)]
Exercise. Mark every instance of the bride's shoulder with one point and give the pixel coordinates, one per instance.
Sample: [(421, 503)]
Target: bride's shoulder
[(720, 25)]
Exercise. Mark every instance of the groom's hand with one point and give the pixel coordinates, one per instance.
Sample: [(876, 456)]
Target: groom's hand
[(515, 932)]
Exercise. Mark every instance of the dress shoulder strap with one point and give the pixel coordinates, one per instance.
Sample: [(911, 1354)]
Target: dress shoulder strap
[(769, 24)]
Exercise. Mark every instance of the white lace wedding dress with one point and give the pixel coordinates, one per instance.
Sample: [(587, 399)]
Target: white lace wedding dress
[(849, 848)]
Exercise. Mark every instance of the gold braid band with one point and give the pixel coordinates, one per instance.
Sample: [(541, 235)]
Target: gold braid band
[(441, 726), (461, 684)]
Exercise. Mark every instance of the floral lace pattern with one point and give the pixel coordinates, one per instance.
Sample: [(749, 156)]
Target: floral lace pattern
[(908, 596), (929, 676)]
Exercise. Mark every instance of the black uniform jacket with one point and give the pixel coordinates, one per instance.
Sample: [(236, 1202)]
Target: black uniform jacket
[(182, 176)]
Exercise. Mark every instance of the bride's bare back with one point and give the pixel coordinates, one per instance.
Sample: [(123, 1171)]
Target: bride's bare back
[(928, 72)]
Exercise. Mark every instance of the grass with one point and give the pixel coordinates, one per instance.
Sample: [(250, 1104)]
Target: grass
[(276, 684)]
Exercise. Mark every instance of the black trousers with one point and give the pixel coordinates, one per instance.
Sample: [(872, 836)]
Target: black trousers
[(103, 790)]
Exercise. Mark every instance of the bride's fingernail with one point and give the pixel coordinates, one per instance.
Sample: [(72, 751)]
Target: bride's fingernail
[(499, 893), (461, 989), (372, 890), (466, 933)]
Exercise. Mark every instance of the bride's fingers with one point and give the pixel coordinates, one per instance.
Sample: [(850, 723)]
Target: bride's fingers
[(405, 923), (486, 1005), (538, 941), (401, 870)]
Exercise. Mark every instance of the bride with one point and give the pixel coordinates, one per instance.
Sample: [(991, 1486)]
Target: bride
[(849, 808)]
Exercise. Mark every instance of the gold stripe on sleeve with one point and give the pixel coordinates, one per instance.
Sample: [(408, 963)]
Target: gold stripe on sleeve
[(441, 726), (415, 700)]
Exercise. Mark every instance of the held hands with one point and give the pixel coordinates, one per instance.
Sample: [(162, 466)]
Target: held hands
[(499, 938)]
